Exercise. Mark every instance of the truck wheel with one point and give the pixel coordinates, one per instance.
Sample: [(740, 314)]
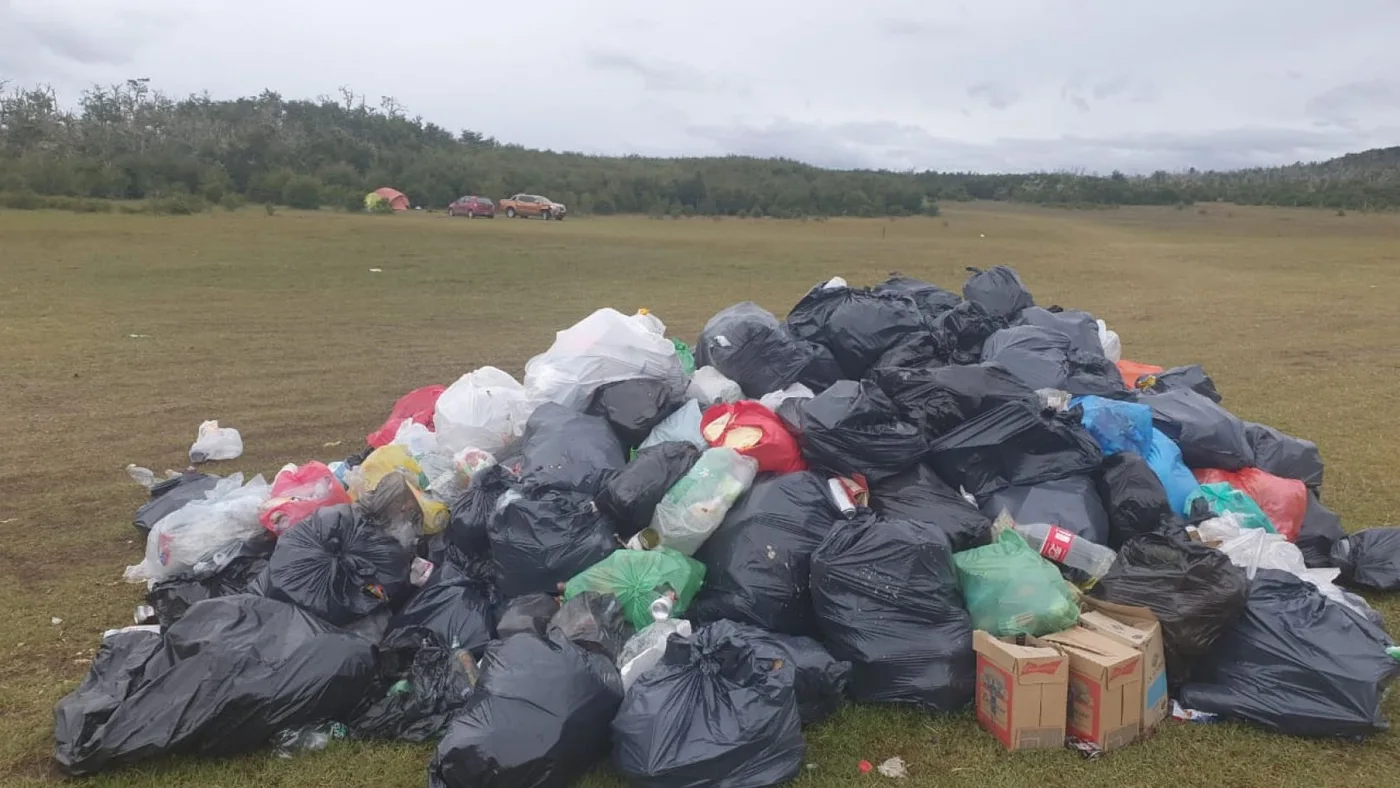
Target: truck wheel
[(510, 213)]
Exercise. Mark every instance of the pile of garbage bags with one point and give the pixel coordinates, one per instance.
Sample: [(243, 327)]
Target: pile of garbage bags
[(684, 567)]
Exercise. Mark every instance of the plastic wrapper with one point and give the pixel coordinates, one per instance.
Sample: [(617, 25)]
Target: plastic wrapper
[(683, 425), (720, 709), (1191, 377), (1223, 498), (773, 399), (338, 566), (1369, 559), (203, 536), (939, 400), (853, 428), (605, 347), (1209, 435), (920, 495), (1045, 359), (963, 330), (1164, 458), (1284, 501), (222, 681), (538, 719), (1072, 503), (1284, 455), (756, 432), (632, 495), (640, 577), (422, 684), (1011, 590), (748, 345), (1014, 444), (999, 290), (454, 606), (711, 387), (758, 564), (644, 650), (485, 409), (594, 622), (215, 443), (1133, 498), (634, 407), (1297, 664), (694, 506), (1079, 327), (541, 538), (1111, 343), (931, 299), (169, 495), (1117, 426), (887, 600), (297, 491), (856, 325), (418, 406)]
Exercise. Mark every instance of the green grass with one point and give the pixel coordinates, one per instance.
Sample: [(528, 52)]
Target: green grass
[(276, 325)]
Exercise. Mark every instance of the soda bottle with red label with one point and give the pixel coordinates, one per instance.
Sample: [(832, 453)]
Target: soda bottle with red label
[(1064, 547)]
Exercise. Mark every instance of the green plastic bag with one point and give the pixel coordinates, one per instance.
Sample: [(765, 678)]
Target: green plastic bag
[(1222, 498), (687, 358), (1011, 590), (639, 577)]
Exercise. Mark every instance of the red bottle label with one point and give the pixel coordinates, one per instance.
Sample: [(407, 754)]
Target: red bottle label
[(1057, 544)]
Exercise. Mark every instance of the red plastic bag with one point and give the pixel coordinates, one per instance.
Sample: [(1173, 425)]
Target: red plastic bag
[(753, 431), (1285, 501), (299, 492), (416, 405), (1132, 370)]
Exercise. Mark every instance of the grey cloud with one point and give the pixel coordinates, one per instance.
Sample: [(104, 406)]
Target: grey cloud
[(1346, 104), (655, 74), (996, 94), (1113, 86)]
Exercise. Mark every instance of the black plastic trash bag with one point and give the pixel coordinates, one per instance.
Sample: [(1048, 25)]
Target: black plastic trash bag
[(758, 564), (1320, 531), (539, 718), (719, 709), (631, 496), (563, 449), (920, 495), (1209, 435), (962, 331), (853, 427), (454, 606), (999, 290), (856, 325), (1133, 497), (338, 566), (472, 511), (1284, 455), (1072, 503), (1194, 590), (529, 613), (542, 537), (1296, 663), (1043, 359), (422, 684), (887, 600), (1015, 444), (171, 598), (594, 622), (634, 407), (819, 678), (932, 300), (939, 400), (224, 679), (1191, 377), (171, 494), (919, 350), (1369, 559), (1079, 327), (750, 347)]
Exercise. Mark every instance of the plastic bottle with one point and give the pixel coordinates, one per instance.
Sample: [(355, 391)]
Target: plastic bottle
[(1063, 547)]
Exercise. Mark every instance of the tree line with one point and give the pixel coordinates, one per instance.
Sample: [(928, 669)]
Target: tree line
[(129, 141)]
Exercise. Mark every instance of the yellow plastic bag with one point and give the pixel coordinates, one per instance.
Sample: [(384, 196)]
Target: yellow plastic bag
[(401, 502)]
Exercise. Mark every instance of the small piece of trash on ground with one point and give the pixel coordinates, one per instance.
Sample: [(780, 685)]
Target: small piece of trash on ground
[(894, 767), (376, 270), (331, 445), (9, 520), (148, 336), (55, 621)]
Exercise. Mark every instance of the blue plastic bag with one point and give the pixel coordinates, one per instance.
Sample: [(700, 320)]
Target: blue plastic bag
[(1117, 426), (1164, 457)]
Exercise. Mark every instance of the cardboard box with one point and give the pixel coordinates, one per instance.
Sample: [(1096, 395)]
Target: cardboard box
[(1105, 687), (1022, 691), (1136, 627)]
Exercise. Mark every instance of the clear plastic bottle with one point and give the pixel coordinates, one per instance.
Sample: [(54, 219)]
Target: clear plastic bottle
[(1064, 547)]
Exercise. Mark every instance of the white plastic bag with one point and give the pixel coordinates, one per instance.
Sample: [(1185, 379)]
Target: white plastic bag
[(216, 443), (650, 322), (1254, 548), (416, 438), (1112, 345), (695, 506), (201, 537), (486, 409), (646, 648), (773, 399), (710, 387), (605, 347), (683, 425)]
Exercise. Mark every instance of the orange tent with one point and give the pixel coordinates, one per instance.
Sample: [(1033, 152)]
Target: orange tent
[(395, 198)]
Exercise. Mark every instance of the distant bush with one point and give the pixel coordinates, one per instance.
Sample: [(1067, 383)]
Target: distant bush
[(302, 191), (231, 202), (176, 205), (21, 201), (91, 206), (350, 200)]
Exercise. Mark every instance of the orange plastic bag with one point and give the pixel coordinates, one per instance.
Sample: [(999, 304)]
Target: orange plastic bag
[(1285, 501), (1132, 370), (297, 493), (754, 431)]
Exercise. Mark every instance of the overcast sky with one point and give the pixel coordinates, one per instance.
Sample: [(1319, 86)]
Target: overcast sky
[(988, 85)]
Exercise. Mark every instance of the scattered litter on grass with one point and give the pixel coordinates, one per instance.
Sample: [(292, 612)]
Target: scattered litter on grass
[(894, 767), (55, 621)]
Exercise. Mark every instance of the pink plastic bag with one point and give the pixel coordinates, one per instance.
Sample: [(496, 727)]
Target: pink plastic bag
[(416, 405), (298, 492)]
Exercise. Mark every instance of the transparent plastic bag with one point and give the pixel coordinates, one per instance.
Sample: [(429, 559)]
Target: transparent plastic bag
[(416, 438), (388, 489), (216, 443), (203, 536), (645, 649), (605, 347), (683, 425), (486, 409), (711, 387), (695, 506)]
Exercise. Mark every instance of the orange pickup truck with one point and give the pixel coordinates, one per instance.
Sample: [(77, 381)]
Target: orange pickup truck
[(528, 205)]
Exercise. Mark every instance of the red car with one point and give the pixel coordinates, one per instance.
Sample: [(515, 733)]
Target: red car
[(472, 207)]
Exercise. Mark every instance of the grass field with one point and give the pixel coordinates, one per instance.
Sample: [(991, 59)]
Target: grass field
[(119, 334)]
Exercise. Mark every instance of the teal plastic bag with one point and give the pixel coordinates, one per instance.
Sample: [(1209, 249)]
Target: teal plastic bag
[(1223, 498), (1011, 590), (685, 355)]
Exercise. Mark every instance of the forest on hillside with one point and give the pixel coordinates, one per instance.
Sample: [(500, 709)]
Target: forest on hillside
[(130, 141)]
